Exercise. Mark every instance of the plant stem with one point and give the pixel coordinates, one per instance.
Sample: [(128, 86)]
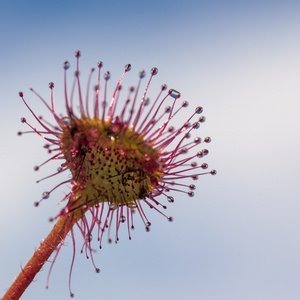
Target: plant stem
[(41, 255)]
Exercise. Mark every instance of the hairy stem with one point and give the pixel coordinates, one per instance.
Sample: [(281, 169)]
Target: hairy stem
[(41, 255)]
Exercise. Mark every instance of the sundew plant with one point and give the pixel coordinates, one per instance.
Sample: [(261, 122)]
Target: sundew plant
[(120, 160)]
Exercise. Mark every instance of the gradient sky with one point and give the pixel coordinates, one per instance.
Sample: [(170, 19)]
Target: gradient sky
[(238, 238)]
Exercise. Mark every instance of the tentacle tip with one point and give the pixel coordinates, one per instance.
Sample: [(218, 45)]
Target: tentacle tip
[(77, 53)]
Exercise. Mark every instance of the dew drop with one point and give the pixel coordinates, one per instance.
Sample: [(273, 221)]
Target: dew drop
[(171, 128), (19, 133), (200, 154), (97, 270), (100, 64), (164, 87), (187, 125), (167, 109), (170, 219), (213, 172), (64, 211), (36, 168), (202, 119), (191, 194), (107, 75), (185, 104), (196, 125), (142, 74), (205, 151), (21, 94), (122, 219), (148, 224), (77, 53), (88, 237), (23, 120), (154, 71), (194, 177), (146, 101), (36, 204), (207, 140), (194, 164), (131, 205), (204, 166), (46, 195), (192, 187), (51, 85), (66, 65), (127, 67), (184, 151), (113, 206), (197, 140), (199, 110), (170, 199), (174, 94), (147, 228), (65, 120)]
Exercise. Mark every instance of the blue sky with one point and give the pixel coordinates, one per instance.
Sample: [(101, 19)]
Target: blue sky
[(238, 238)]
